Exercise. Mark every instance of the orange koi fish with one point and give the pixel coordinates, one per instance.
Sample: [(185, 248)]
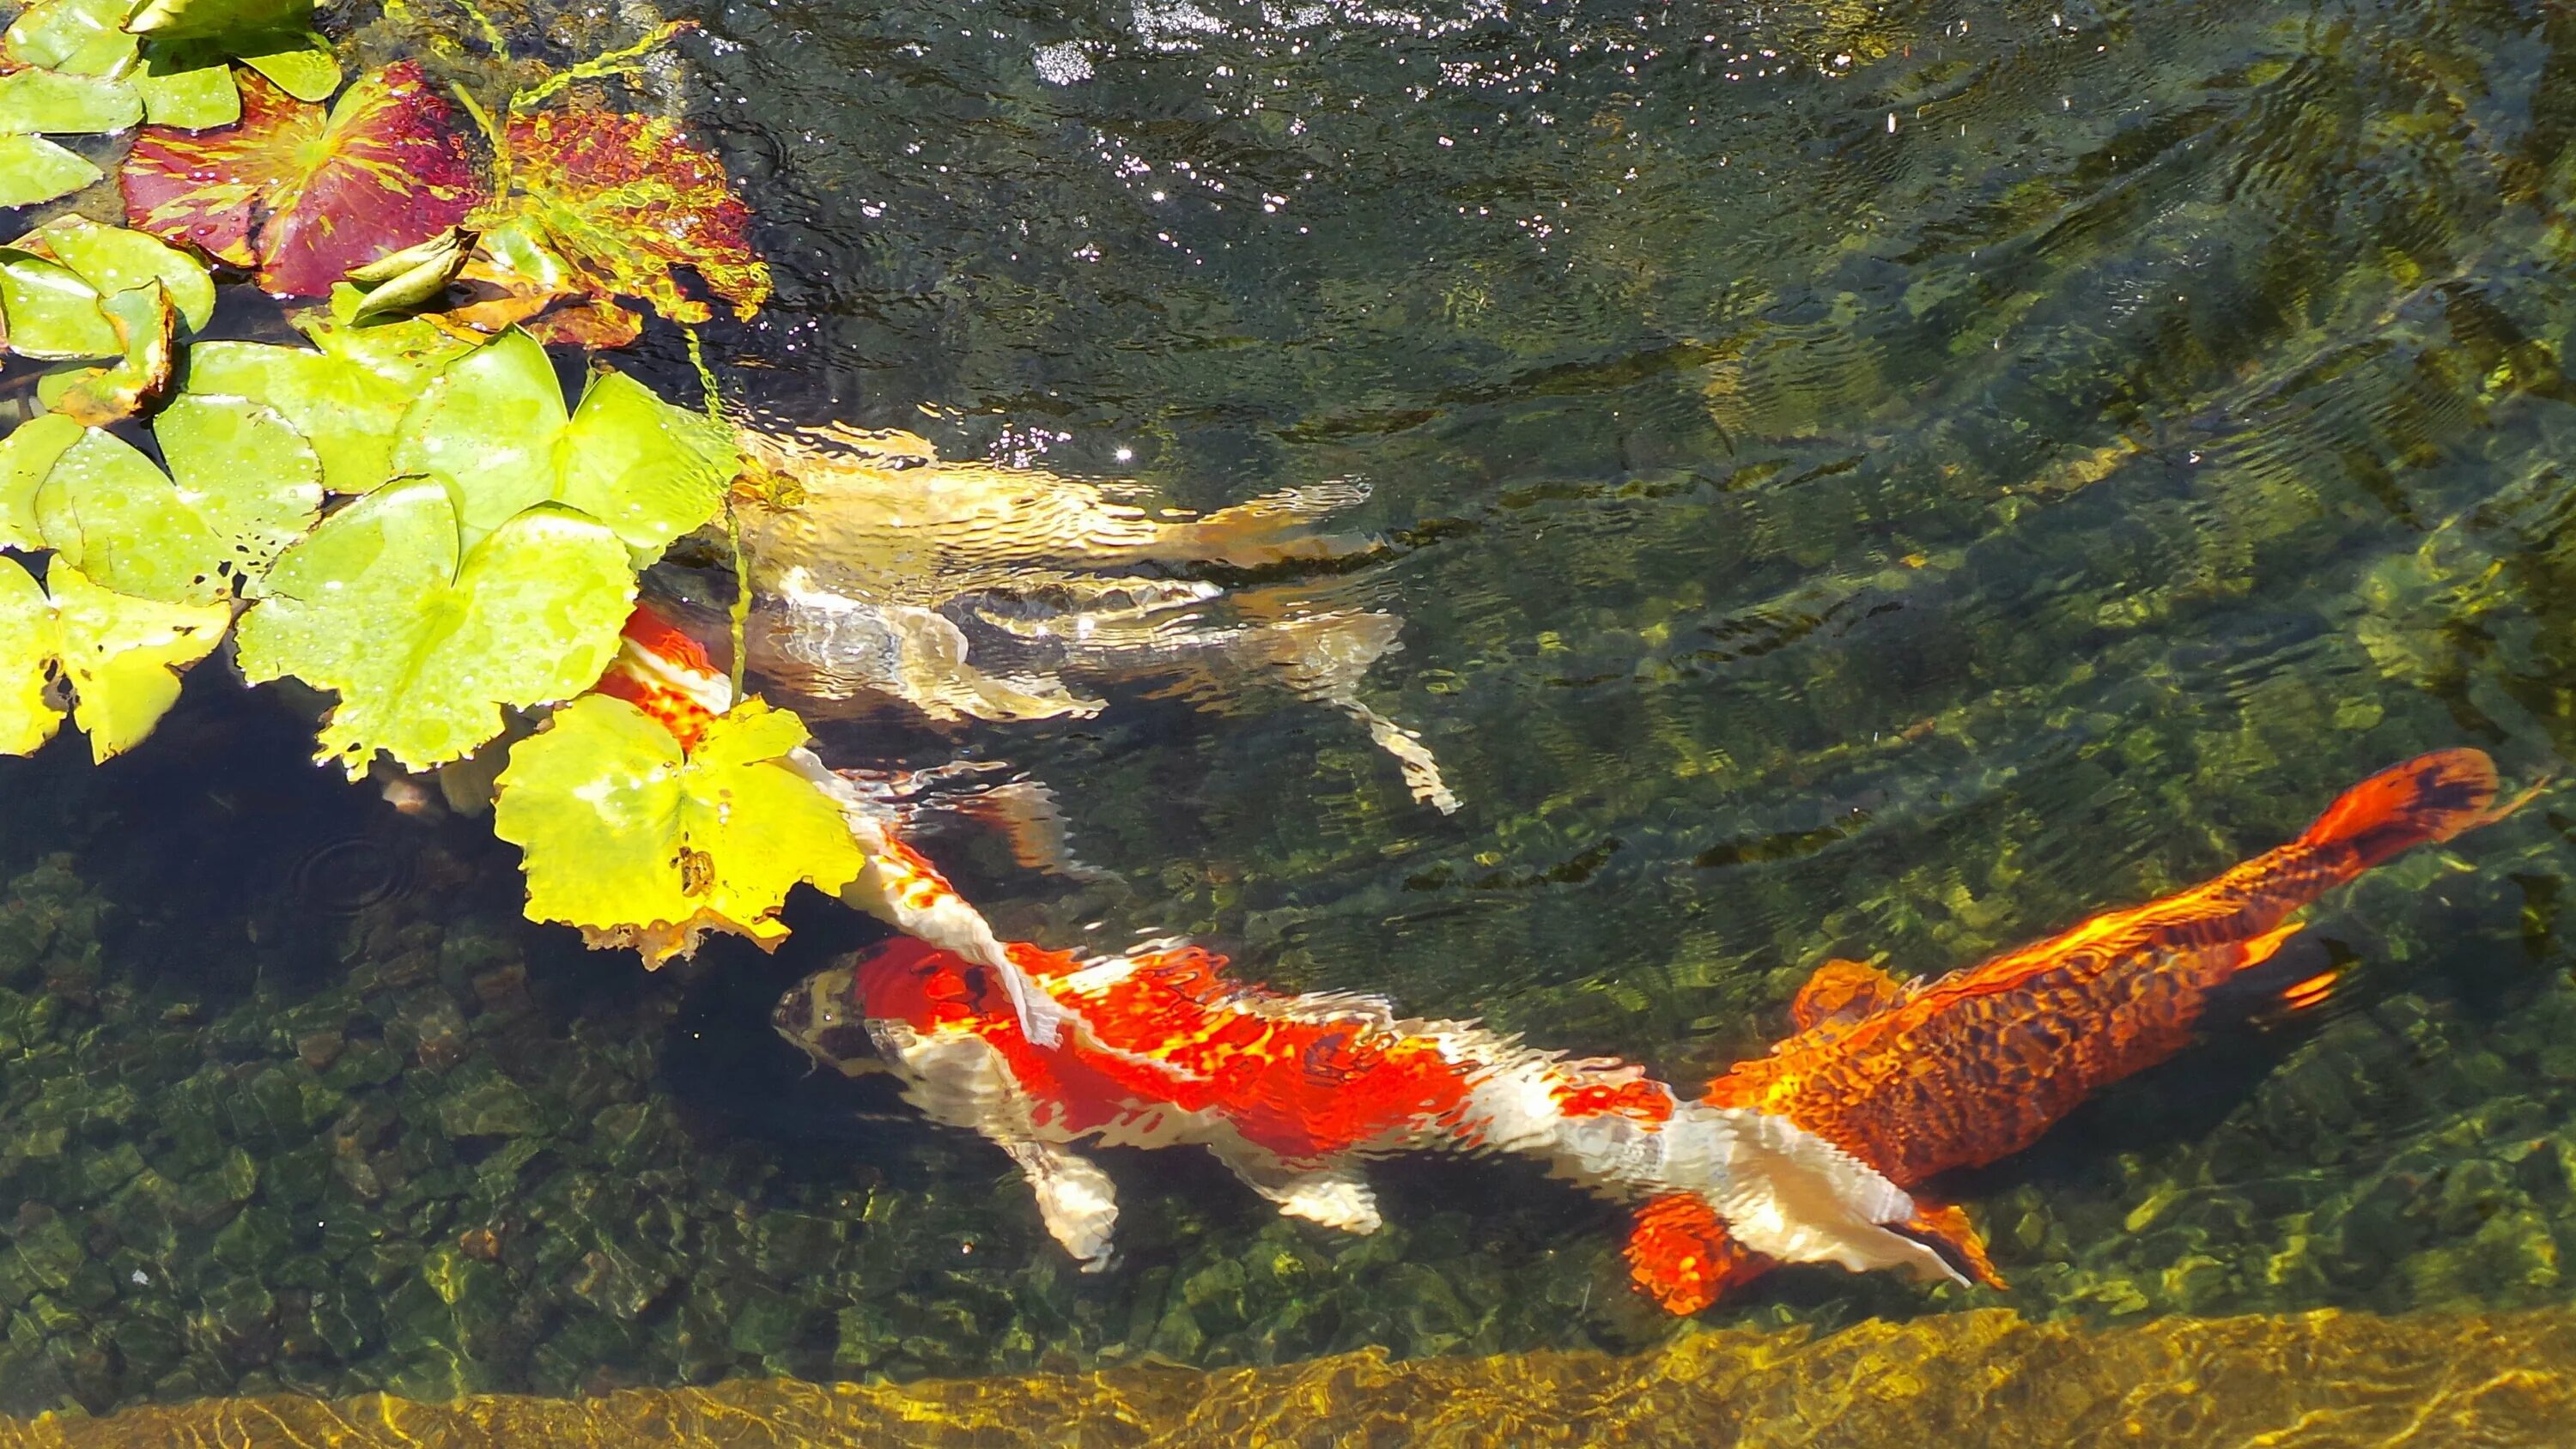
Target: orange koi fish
[(1918, 1079), (1296, 1093)]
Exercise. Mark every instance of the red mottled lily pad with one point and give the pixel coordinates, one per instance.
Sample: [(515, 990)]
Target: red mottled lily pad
[(607, 205), (302, 196)]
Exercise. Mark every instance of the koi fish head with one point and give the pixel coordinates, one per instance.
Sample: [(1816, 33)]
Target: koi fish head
[(820, 1015)]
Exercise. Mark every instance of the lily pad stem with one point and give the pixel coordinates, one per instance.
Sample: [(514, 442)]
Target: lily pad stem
[(740, 615), (615, 62), (492, 135), (491, 33)]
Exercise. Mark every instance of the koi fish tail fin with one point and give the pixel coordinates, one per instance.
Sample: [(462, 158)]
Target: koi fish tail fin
[(2429, 798), (1274, 528)]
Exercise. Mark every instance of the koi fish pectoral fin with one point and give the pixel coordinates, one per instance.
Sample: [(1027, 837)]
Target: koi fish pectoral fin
[(1075, 1198), (2294, 971), (1842, 992), (1945, 1229), (1336, 1196), (1680, 1254)]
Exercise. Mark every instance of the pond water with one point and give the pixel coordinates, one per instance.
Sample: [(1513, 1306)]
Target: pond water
[(1855, 479)]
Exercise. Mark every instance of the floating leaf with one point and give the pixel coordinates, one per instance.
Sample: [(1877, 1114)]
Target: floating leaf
[(202, 19), (27, 455), (45, 100), (243, 486), (52, 314), (346, 399), (122, 657), (112, 259), (302, 65), (301, 198), (625, 202), (643, 845), (494, 425), (147, 325), (81, 37), (411, 278), (425, 647), (518, 282), (31, 648), (186, 84), (33, 170)]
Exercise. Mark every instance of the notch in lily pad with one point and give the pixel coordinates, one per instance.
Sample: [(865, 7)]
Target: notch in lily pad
[(427, 640), (118, 657), (495, 427)]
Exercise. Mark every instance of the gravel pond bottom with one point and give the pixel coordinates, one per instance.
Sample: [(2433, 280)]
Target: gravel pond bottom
[(1991, 1377)]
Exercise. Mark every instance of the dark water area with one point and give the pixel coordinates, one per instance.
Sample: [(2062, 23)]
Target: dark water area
[(1855, 479)]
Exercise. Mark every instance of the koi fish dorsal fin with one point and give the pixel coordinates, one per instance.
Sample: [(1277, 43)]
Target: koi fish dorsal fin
[(1842, 992), (2429, 798)]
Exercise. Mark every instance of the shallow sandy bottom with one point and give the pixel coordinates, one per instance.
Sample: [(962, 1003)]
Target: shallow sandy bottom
[(1988, 1378)]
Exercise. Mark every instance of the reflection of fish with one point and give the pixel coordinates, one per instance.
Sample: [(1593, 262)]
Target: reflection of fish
[(1916, 1080), (1295, 1093), (882, 575)]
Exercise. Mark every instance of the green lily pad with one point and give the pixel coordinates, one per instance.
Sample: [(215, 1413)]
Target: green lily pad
[(302, 65), (33, 170), (347, 398), (148, 326), (44, 100), (31, 646), (494, 424), (243, 486), (198, 19), (124, 655), (121, 656), (641, 844), (27, 454), (425, 640), (81, 37), (186, 84), (112, 259), (52, 314)]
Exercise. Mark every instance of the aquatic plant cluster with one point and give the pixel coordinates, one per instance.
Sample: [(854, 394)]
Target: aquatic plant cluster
[(486, 557)]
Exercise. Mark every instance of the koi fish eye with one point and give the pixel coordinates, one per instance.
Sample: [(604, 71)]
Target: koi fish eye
[(818, 1017)]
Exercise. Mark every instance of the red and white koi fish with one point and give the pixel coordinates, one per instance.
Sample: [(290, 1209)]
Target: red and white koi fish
[(1296, 1093), (1916, 1080)]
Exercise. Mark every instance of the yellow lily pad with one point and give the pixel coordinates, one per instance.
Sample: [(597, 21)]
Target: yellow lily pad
[(640, 843)]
